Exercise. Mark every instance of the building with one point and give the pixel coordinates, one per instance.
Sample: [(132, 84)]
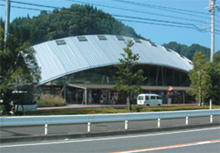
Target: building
[(81, 68)]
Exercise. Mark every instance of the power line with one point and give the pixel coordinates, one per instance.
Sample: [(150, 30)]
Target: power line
[(170, 9), (39, 5), (27, 8), (163, 7), (161, 22), (143, 12), (46, 6)]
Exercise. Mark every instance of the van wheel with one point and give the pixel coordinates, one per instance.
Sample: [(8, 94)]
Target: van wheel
[(159, 105), (148, 105)]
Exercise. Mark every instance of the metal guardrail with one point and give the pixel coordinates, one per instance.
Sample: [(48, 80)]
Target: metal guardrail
[(64, 119)]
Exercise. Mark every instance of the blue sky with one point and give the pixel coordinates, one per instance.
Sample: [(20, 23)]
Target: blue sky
[(180, 20)]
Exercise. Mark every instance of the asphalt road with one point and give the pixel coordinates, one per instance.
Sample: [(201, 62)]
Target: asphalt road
[(191, 140), (28, 131)]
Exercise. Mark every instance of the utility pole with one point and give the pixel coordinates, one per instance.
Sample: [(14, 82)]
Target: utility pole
[(212, 9), (7, 19)]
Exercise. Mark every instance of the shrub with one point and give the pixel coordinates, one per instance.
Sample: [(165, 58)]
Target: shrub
[(2, 108), (50, 101)]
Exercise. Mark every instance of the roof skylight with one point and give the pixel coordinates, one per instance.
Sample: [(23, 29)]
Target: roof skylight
[(120, 38), (137, 40), (101, 37), (60, 42), (82, 38)]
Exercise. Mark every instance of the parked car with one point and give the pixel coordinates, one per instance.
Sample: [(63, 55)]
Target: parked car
[(149, 100)]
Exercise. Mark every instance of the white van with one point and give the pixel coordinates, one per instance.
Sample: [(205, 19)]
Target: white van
[(149, 100)]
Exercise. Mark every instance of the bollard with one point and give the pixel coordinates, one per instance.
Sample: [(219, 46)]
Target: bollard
[(46, 129), (126, 124), (89, 126), (211, 118), (158, 122), (187, 120), (210, 104)]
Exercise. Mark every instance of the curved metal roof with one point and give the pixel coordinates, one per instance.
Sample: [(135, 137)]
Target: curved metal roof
[(60, 57)]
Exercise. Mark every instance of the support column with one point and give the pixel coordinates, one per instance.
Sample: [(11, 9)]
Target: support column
[(85, 94), (65, 92)]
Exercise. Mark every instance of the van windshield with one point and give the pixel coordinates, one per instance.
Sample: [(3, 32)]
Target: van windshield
[(141, 98)]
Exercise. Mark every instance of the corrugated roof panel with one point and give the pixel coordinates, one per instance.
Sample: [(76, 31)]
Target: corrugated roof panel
[(74, 56)]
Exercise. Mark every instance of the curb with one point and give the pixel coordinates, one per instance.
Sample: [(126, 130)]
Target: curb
[(98, 134)]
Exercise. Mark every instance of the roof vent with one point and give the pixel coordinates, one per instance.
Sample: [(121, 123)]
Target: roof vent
[(120, 38), (152, 44), (182, 56), (82, 38), (60, 42), (137, 40), (167, 49), (102, 37)]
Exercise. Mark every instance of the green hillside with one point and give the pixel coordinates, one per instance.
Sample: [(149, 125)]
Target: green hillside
[(73, 21)]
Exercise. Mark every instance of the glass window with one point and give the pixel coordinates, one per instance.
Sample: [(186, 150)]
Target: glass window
[(158, 97), (141, 98), (153, 97), (146, 97), (105, 75)]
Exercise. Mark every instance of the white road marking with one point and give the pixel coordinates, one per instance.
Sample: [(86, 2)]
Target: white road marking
[(170, 146)]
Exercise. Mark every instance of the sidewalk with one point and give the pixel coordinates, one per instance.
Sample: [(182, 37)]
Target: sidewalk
[(75, 106)]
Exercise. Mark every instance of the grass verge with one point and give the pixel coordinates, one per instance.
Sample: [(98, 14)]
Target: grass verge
[(113, 110)]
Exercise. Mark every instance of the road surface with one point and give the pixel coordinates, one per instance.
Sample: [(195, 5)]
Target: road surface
[(189, 140), (38, 130)]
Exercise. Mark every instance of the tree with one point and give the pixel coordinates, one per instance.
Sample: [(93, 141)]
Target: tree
[(200, 78), (188, 51), (214, 72), (18, 70), (129, 81)]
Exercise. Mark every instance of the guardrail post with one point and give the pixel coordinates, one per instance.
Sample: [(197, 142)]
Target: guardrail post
[(158, 122), (46, 129), (211, 118), (187, 120), (126, 124), (89, 126), (210, 104)]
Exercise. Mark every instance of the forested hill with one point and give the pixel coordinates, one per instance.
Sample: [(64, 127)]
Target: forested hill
[(188, 51), (76, 20)]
